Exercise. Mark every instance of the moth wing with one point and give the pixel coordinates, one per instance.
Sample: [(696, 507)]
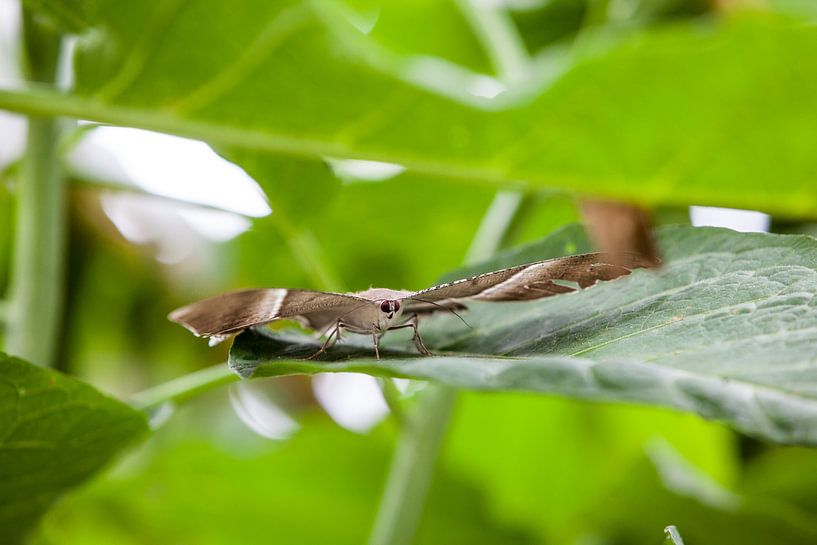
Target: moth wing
[(231, 312), (535, 280)]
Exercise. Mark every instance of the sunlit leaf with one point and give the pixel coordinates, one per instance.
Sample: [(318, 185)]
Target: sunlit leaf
[(674, 116)]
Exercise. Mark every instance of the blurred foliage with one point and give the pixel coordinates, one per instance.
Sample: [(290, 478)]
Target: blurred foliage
[(671, 102), (320, 486)]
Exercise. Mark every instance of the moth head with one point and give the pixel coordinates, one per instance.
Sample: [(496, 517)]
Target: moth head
[(389, 307)]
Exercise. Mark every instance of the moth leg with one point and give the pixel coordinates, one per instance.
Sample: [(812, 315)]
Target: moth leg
[(376, 342), (418, 341), (328, 343)]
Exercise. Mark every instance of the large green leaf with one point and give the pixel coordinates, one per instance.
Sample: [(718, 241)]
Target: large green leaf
[(712, 112), (55, 432), (725, 329)]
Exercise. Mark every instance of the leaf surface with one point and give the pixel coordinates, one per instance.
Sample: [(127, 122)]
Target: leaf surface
[(725, 330)]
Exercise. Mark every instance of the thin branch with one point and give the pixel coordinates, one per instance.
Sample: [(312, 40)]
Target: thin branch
[(185, 387), (306, 249), (495, 226), (496, 31)]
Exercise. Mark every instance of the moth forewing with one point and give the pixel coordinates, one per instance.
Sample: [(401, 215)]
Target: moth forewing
[(235, 311)]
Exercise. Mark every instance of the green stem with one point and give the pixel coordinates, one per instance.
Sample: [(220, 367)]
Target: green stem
[(184, 387), (36, 283), (495, 226), (500, 38), (392, 396), (412, 467), (308, 251)]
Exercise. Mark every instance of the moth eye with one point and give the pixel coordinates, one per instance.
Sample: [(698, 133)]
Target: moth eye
[(396, 306), (385, 306)]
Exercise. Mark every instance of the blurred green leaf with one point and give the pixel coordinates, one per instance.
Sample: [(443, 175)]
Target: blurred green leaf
[(671, 116), (403, 232), (724, 330), (785, 473), (297, 190), (55, 433), (445, 32), (662, 488), (546, 462), (254, 491)]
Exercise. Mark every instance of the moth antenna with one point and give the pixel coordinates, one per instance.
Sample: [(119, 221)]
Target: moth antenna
[(451, 310), (353, 309)]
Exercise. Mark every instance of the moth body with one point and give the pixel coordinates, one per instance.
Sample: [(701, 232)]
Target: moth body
[(385, 312)]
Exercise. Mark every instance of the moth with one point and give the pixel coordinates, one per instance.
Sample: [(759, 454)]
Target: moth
[(378, 310)]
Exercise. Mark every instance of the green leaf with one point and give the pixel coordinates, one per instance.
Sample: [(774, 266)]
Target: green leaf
[(672, 536), (55, 433), (254, 491), (725, 329), (674, 115)]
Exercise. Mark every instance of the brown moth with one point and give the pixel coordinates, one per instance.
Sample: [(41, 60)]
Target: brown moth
[(378, 310)]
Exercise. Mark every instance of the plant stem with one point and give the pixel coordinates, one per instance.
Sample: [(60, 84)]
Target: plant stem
[(184, 387), (494, 28), (420, 442), (36, 283), (392, 396), (495, 226), (412, 468)]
